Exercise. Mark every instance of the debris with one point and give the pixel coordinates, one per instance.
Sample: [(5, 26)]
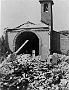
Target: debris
[(54, 58), (33, 73)]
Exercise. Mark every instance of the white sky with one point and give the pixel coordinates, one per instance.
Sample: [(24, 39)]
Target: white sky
[(16, 12)]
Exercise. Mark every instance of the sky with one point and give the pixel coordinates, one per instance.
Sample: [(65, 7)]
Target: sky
[(16, 12)]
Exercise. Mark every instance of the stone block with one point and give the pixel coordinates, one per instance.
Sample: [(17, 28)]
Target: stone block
[(54, 58)]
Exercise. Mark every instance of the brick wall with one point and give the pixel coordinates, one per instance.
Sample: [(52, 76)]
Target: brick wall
[(59, 43), (64, 43)]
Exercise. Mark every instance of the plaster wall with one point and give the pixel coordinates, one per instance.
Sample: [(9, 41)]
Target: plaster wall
[(43, 42)]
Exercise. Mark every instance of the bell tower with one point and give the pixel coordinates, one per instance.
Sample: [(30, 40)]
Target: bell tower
[(46, 11), (47, 18)]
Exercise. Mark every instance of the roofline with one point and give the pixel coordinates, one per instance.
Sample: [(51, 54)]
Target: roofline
[(14, 29), (47, 1)]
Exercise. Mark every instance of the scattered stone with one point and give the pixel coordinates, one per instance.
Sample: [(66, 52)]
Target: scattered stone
[(63, 82), (67, 59), (41, 75), (62, 58)]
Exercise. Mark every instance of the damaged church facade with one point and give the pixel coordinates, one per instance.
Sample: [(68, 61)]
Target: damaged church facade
[(35, 34), (40, 36)]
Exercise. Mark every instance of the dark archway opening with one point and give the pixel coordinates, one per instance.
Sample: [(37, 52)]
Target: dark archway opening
[(32, 44)]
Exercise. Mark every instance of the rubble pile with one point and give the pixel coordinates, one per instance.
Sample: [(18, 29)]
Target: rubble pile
[(23, 71)]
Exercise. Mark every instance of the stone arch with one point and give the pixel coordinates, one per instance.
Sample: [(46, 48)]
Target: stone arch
[(35, 35)]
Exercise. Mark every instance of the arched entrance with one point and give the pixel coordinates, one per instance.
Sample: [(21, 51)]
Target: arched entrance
[(32, 44)]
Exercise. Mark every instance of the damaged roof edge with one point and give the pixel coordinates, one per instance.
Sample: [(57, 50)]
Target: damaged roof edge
[(29, 25), (39, 29)]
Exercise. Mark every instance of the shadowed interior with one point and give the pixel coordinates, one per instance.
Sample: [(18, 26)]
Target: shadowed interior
[(32, 44)]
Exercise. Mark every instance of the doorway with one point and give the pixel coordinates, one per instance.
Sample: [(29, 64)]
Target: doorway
[(32, 44)]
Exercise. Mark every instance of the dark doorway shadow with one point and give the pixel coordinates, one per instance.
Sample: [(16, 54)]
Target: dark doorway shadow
[(32, 44)]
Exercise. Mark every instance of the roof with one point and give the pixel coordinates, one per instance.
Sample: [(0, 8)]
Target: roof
[(46, 1), (29, 24)]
